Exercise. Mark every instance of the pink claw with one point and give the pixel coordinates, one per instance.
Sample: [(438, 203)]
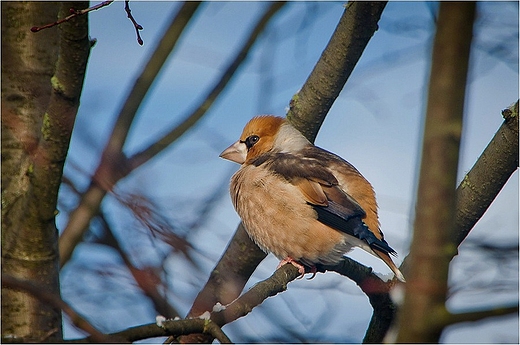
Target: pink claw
[(289, 260)]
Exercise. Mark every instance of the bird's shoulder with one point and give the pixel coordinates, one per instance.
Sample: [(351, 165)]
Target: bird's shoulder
[(314, 172), (310, 162)]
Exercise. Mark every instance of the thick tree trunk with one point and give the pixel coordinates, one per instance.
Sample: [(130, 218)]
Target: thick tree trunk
[(42, 77)]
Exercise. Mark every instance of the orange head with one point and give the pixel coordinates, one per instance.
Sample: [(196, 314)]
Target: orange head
[(263, 134)]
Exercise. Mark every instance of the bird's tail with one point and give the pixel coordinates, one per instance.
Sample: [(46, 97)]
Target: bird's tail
[(388, 260)]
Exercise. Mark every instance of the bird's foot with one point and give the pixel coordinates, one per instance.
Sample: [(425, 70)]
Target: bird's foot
[(299, 266)]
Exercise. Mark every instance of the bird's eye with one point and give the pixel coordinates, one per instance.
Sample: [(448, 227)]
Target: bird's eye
[(251, 140)]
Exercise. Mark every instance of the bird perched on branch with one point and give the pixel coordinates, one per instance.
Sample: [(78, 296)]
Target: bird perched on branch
[(304, 204)]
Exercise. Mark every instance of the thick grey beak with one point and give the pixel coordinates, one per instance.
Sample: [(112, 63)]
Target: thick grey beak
[(236, 153)]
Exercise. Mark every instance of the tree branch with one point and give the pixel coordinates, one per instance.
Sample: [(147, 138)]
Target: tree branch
[(73, 14), (271, 286), (444, 318), (112, 166), (137, 26), (165, 328), (311, 104), (52, 299), (144, 82), (431, 250), (189, 121), (488, 175), (483, 314)]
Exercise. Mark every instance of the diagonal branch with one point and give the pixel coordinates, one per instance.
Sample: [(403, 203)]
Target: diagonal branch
[(311, 104), (73, 14), (488, 175), (269, 287), (147, 76), (142, 157), (112, 165), (54, 300)]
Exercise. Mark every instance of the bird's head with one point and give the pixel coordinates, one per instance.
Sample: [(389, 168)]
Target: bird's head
[(263, 134)]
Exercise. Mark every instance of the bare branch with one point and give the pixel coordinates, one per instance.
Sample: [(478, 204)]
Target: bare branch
[(54, 300), (271, 286), (74, 14), (229, 276), (488, 175), (136, 25), (443, 318), (142, 157), (147, 76), (482, 314), (169, 327), (311, 104), (113, 165), (431, 250)]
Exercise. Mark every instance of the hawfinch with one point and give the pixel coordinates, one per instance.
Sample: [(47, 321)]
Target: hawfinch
[(305, 205)]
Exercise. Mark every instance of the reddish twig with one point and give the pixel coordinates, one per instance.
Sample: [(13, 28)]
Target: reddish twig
[(145, 211), (136, 25), (74, 14)]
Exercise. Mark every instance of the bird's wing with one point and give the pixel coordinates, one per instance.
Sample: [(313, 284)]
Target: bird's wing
[(320, 188), (344, 214)]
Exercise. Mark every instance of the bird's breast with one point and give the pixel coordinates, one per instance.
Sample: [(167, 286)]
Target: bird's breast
[(279, 220)]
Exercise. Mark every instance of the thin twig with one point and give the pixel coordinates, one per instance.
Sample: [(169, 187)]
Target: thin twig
[(136, 25), (74, 14)]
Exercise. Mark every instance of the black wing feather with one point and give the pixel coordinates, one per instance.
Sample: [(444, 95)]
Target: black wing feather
[(343, 219)]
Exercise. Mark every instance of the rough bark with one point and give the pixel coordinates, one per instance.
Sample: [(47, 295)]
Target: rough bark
[(490, 173), (431, 249), (356, 27), (42, 77)]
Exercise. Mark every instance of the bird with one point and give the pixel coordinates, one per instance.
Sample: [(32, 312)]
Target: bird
[(302, 203)]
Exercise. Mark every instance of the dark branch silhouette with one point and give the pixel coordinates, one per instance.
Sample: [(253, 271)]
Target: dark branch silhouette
[(136, 25)]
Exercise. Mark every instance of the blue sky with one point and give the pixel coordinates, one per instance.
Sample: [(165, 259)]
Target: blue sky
[(375, 124)]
